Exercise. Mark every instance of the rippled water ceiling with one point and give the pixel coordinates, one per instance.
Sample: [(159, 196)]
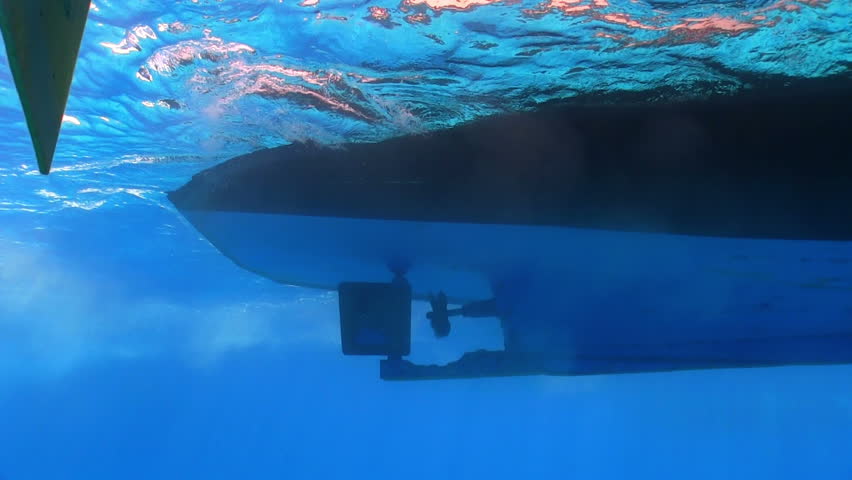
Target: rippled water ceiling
[(225, 77)]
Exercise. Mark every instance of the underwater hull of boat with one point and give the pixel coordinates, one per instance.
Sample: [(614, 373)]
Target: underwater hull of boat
[(626, 359), (623, 232), (760, 168), (558, 288)]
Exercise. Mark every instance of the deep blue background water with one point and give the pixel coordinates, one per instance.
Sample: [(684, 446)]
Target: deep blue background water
[(129, 348)]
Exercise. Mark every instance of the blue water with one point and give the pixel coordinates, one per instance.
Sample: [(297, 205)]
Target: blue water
[(130, 348)]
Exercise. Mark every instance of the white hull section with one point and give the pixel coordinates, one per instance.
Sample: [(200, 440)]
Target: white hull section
[(599, 286)]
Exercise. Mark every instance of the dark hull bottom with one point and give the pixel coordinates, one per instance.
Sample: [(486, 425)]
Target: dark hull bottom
[(743, 167), (736, 353)]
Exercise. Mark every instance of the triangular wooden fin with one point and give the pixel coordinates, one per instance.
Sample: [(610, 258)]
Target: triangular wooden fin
[(42, 41)]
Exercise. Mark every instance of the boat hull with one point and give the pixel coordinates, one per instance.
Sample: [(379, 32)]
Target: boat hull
[(611, 235), (563, 288)]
